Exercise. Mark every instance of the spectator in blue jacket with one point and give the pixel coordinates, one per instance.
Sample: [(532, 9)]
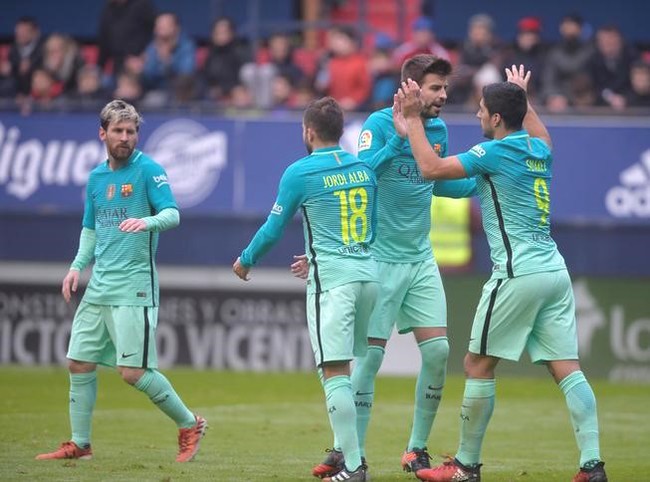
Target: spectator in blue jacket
[(170, 54)]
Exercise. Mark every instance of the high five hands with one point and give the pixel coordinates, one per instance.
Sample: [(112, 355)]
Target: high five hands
[(407, 102), (518, 76)]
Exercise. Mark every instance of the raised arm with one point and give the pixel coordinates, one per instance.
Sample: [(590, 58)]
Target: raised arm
[(532, 123), (290, 194), (375, 148), (407, 103)]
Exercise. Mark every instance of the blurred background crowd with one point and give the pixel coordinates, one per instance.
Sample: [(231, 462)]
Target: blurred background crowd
[(145, 55)]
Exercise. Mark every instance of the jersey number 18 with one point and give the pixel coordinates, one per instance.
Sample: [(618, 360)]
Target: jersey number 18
[(353, 205)]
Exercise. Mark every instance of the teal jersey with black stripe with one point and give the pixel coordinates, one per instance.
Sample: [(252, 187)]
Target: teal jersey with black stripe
[(124, 273), (514, 175), (404, 196), (336, 193)]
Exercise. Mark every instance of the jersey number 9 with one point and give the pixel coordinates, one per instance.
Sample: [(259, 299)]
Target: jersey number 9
[(543, 199)]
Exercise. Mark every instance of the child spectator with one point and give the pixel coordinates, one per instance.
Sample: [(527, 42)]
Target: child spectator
[(90, 93), (385, 78), (128, 88), (639, 93), (259, 76)]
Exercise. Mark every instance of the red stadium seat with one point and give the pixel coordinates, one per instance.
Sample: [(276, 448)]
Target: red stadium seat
[(4, 51), (90, 54), (306, 60), (200, 56)]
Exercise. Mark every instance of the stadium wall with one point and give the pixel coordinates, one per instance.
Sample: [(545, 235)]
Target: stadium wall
[(210, 320)]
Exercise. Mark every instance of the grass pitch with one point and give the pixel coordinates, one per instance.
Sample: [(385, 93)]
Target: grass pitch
[(274, 427)]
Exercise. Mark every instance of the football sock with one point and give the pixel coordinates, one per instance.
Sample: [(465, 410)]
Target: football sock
[(582, 407), (156, 386), (321, 377), (475, 413), (363, 388), (83, 393), (342, 415), (428, 389)]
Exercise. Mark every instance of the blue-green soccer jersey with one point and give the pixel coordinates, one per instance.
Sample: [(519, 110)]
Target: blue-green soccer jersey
[(404, 196), (125, 272), (514, 184), (336, 192)]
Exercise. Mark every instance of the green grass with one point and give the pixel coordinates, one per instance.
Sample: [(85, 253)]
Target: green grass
[(274, 427)]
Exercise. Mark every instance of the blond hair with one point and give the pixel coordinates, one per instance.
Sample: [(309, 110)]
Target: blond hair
[(119, 111)]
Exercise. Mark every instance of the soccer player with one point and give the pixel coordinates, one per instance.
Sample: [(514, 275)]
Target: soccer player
[(528, 302), (336, 194), (128, 202), (411, 294)]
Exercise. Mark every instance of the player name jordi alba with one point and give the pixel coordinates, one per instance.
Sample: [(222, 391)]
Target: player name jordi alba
[(353, 177)]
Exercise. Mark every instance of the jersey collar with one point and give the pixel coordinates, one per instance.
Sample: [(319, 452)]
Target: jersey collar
[(134, 158), (327, 150), (517, 135)]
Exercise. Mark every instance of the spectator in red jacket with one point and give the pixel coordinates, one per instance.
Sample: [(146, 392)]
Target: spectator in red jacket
[(344, 72)]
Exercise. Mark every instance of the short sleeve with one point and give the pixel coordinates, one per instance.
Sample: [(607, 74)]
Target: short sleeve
[(481, 159)]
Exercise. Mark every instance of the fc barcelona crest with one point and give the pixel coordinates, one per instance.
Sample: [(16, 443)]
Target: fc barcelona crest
[(437, 147), (126, 190), (110, 191)]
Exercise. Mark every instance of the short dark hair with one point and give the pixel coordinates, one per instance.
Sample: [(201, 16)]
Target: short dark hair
[(416, 67), (573, 17), (29, 20), (227, 20), (326, 118), (347, 30), (508, 100), (610, 28)]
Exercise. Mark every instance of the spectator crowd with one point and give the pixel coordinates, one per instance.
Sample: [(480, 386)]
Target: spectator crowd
[(146, 58)]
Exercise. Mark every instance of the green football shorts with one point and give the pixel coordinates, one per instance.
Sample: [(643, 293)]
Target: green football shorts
[(410, 296), (535, 312), (338, 321), (114, 335)]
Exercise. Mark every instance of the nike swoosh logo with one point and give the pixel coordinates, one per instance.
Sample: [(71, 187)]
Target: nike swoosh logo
[(435, 388), (124, 355), (361, 394)]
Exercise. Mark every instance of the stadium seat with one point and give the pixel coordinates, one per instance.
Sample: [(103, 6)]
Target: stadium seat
[(306, 60), (90, 54), (200, 56)]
